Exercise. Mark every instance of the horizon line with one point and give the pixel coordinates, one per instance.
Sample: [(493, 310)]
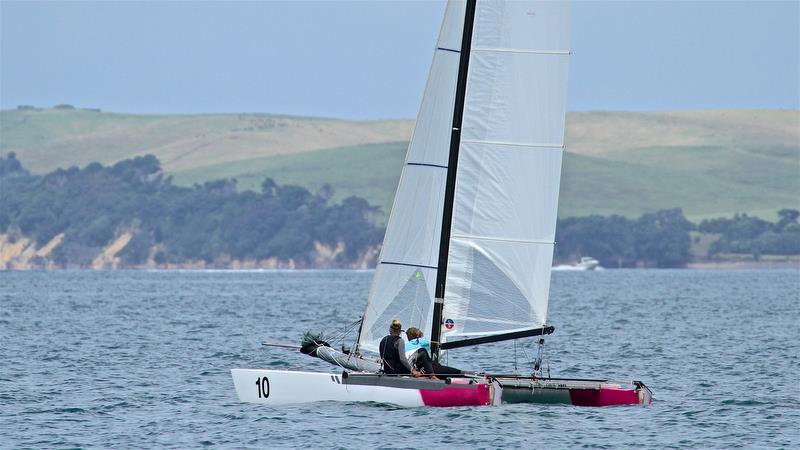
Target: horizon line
[(91, 109)]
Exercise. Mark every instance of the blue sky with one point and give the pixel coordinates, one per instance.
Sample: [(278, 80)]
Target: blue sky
[(369, 60)]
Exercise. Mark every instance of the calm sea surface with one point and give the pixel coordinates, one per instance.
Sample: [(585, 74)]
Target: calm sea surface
[(141, 359)]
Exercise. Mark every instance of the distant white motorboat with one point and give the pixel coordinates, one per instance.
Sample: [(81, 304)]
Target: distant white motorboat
[(586, 263)]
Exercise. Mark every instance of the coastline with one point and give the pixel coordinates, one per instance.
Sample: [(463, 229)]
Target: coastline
[(745, 265), (739, 265)]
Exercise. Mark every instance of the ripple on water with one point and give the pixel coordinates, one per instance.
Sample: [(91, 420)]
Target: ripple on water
[(746, 402), (141, 359)]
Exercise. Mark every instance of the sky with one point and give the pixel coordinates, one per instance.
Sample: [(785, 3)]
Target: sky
[(369, 60)]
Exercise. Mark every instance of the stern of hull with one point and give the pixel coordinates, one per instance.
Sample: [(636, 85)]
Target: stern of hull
[(575, 392)]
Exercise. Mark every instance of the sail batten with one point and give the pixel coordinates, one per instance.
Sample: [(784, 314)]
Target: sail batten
[(398, 263), (521, 50), (512, 144), (426, 165), (504, 239)]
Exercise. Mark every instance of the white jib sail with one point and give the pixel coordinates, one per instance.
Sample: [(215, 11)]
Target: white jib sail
[(403, 286), (509, 169)]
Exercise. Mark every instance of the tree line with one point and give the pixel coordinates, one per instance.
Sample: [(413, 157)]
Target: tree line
[(205, 222), (663, 238), (659, 239), (214, 221), (751, 235)]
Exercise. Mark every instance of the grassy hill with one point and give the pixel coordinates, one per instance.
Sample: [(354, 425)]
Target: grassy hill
[(370, 171), (710, 163), (50, 138)]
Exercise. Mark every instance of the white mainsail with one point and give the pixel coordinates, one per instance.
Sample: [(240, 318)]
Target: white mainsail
[(507, 180), (509, 170)]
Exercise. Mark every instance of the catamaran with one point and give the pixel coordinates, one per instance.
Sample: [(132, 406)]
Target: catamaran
[(469, 243)]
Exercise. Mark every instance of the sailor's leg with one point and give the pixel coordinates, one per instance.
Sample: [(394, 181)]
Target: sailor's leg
[(423, 362), (440, 369)]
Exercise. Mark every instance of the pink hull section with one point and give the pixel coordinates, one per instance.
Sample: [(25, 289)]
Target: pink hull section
[(606, 396), (468, 395)]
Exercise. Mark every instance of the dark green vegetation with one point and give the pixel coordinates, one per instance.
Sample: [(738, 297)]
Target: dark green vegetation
[(212, 222), (663, 239), (708, 163), (658, 239), (751, 235)]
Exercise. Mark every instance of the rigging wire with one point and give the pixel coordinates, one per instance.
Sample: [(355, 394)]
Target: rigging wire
[(339, 338), (515, 357), (360, 323), (527, 358)]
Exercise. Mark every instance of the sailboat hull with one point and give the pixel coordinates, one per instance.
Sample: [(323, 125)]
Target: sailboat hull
[(279, 387), (574, 392)]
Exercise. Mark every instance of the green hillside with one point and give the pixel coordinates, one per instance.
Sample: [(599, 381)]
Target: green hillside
[(710, 163), (369, 171), (589, 184), (46, 139), (689, 178)]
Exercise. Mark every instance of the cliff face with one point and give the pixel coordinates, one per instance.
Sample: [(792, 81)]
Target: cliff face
[(22, 253), (108, 259)]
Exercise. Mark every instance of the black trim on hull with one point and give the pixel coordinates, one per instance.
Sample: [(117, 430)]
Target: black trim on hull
[(497, 338)]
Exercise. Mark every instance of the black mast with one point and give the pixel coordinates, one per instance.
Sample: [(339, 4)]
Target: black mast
[(450, 186)]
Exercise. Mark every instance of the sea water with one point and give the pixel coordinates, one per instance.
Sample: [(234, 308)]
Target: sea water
[(137, 359)]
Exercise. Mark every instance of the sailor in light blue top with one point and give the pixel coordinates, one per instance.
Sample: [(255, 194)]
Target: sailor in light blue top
[(418, 350), (415, 344), (418, 354)]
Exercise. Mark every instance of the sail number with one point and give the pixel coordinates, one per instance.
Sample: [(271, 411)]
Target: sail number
[(263, 387)]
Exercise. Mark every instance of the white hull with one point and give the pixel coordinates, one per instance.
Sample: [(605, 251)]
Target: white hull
[(287, 387)]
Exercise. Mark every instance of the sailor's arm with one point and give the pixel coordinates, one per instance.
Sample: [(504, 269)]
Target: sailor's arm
[(401, 352)]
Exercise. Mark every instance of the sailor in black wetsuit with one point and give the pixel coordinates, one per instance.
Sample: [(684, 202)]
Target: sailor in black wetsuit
[(393, 353)]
